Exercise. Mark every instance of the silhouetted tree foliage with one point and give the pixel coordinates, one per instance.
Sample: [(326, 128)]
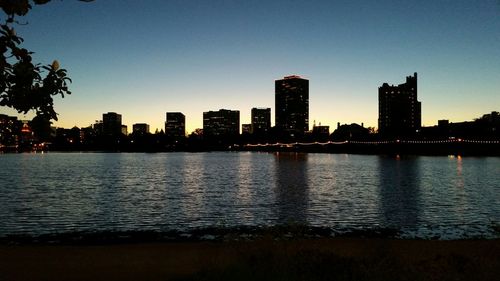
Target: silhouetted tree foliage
[(24, 84)]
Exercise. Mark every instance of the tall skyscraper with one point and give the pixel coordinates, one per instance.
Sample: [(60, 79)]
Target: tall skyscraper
[(399, 109), (261, 120), (111, 124), (222, 123), (292, 105), (175, 125)]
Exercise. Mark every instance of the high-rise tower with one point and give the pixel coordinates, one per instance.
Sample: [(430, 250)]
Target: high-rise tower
[(112, 124), (399, 109), (292, 105)]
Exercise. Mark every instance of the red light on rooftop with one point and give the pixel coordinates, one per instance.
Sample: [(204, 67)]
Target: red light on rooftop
[(25, 129)]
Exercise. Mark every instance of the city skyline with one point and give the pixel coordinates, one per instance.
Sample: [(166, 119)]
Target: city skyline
[(144, 59)]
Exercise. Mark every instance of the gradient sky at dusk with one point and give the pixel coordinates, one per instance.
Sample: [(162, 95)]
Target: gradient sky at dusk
[(144, 58)]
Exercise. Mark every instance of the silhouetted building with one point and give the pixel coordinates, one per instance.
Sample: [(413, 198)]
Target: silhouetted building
[(261, 120), (321, 131), (443, 127), (222, 123), (111, 124), (10, 128), (26, 137), (482, 128), (140, 129), (489, 123), (486, 126), (246, 129), (443, 123), (88, 135), (98, 128), (68, 137), (175, 125), (350, 132), (124, 130), (292, 105), (399, 109)]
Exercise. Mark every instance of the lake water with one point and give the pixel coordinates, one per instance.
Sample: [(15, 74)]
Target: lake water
[(423, 197)]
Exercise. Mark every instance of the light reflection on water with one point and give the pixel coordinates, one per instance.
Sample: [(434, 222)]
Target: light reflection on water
[(450, 197)]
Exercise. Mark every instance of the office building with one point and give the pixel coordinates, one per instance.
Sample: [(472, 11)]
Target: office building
[(175, 125), (399, 109), (246, 129), (140, 129), (261, 120), (292, 105), (222, 123), (111, 124), (10, 128)]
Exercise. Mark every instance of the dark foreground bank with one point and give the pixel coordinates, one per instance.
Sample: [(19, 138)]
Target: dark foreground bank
[(264, 258)]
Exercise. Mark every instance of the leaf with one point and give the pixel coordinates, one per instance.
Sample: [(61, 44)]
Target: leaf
[(24, 85), (41, 2), (55, 65)]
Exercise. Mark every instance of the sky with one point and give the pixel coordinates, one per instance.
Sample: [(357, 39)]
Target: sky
[(145, 58)]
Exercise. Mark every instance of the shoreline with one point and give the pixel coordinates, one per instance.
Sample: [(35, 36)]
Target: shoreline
[(260, 259), (487, 148), (240, 233)]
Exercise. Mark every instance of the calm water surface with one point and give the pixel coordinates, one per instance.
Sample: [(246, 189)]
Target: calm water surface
[(445, 197)]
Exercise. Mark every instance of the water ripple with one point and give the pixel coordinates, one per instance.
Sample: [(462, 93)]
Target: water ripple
[(422, 197)]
